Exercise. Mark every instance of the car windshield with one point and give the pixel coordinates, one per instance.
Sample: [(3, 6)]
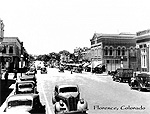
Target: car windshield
[(19, 102), (25, 86), (68, 89)]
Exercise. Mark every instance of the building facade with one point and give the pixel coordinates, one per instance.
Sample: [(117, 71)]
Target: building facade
[(113, 49), (143, 47), (86, 55), (11, 53)]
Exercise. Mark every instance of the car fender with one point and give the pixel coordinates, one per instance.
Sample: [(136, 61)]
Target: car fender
[(82, 105), (58, 107)]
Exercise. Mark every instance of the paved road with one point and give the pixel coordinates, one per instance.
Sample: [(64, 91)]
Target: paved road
[(103, 95)]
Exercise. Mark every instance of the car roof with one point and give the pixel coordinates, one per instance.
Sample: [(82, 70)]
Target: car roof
[(143, 75), (66, 85), (22, 97), (28, 81), (27, 76)]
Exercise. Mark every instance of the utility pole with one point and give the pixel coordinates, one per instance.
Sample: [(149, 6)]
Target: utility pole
[(1, 46)]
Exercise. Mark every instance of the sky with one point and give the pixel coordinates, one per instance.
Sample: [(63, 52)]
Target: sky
[(46, 26)]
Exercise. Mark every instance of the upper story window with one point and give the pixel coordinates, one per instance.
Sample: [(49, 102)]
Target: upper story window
[(92, 42), (132, 52), (123, 51), (118, 51), (106, 51), (10, 49), (111, 51), (4, 49)]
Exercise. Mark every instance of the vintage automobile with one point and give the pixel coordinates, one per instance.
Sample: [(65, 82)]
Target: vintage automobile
[(25, 87), (141, 82), (66, 99), (38, 67), (21, 103), (31, 71), (43, 70), (123, 75), (25, 77)]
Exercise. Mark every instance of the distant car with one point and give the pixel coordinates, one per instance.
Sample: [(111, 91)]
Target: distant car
[(61, 69), (31, 71), (28, 78), (43, 70), (25, 87), (21, 103), (39, 67), (141, 82), (66, 99)]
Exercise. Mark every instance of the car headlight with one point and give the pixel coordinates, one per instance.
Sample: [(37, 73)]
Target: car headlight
[(82, 101), (61, 103)]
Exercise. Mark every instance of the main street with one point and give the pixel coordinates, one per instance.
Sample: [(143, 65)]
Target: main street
[(103, 95)]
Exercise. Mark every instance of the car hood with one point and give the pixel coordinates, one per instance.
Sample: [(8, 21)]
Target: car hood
[(69, 94), (19, 109)]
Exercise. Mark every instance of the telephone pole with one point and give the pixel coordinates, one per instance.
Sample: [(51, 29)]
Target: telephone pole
[(1, 46)]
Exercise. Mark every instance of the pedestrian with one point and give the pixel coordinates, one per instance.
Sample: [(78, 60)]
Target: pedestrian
[(6, 77), (71, 70), (15, 74)]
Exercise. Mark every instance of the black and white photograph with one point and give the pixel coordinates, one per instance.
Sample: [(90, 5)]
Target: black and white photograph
[(74, 57)]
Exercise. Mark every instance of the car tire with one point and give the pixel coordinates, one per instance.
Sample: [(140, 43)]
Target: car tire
[(53, 101)]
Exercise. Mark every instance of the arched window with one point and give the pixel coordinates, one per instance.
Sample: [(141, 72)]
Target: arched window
[(118, 51), (4, 49), (111, 51), (106, 51), (123, 51)]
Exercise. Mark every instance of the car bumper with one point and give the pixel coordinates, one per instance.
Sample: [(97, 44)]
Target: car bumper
[(73, 112)]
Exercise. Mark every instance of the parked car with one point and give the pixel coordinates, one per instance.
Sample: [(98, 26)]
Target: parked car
[(66, 99), (141, 82), (21, 103), (123, 75), (25, 77), (25, 87), (43, 70), (31, 71)]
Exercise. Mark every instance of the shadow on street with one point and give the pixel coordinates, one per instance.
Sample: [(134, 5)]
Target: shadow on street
[(5, 90)]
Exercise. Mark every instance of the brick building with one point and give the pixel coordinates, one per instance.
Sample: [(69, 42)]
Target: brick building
[(11, 53), (111, 49)]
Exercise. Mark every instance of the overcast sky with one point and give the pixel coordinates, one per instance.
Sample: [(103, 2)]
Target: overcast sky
[(53, 25)]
